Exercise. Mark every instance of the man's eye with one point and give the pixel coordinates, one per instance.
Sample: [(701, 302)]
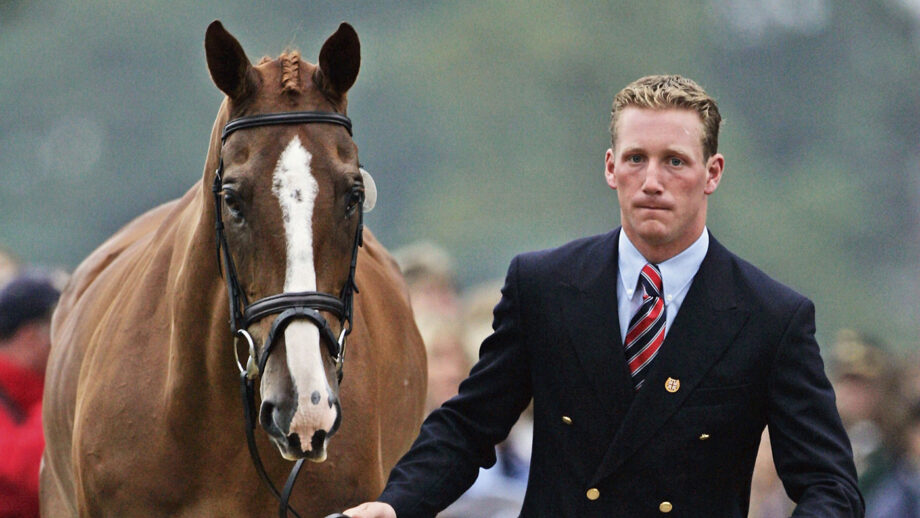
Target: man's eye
[(676, 162), (634, 159)]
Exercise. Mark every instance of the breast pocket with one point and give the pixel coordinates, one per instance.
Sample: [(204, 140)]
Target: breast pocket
[(726, 416), (734, 395)]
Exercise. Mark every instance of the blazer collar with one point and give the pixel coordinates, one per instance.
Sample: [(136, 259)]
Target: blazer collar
[(589, 305), (709, 319), (590, 310), (591, 270)]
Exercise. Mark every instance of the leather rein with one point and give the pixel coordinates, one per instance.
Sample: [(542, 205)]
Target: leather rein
[(289, 306)]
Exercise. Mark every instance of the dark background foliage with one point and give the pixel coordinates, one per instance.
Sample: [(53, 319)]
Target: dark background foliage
[(485, 125)]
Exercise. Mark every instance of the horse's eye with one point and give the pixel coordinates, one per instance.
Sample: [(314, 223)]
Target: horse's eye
[(355, 198), (232, 201)]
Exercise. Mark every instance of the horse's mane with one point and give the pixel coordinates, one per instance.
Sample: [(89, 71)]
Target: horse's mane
[(291, 81)]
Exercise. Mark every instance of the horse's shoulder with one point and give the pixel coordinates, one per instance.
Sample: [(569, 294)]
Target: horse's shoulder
[(375, 259), (379, 279), (105, 259)]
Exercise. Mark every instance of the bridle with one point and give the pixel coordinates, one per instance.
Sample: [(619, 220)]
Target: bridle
[(305, 304), (289, 306)]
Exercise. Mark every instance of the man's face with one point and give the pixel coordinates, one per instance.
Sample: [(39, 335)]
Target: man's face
[(858, 398), (661, 178)]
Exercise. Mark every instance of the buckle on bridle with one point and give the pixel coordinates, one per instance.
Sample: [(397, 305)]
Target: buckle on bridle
[(252, 366), (340, 357)]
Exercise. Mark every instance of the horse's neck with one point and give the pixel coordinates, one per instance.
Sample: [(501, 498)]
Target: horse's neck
[(200, 342), (200, 354)]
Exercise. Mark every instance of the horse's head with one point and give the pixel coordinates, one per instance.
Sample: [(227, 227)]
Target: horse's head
[(290, 198)]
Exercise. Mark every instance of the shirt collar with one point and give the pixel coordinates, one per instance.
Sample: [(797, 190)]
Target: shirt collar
[(676, 272)]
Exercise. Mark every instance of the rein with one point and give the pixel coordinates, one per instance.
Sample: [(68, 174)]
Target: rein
[(305, 305)]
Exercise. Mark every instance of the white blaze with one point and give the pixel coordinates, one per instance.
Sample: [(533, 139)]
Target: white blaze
[(296, 190)]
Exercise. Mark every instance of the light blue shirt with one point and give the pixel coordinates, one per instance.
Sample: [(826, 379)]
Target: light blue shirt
[(676, 274)]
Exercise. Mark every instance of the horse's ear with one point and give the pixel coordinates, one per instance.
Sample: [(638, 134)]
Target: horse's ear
[(339, 61), (230, 68)]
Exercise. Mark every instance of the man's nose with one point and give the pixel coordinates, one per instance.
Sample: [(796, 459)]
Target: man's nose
[(652, 182)]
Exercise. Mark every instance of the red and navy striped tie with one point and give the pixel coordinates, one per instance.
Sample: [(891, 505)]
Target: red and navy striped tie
[(646, 329)]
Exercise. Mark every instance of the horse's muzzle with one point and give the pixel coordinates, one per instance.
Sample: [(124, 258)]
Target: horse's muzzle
[(276, 421)]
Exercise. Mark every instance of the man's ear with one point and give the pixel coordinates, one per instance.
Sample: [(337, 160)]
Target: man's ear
[(609, 173), (714, 167)]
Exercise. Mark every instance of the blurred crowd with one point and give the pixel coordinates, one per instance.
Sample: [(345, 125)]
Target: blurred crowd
[(453, 323), (878, 394), (28, 296), (878, 397)]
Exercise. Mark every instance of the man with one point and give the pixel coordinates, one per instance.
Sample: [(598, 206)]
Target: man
[(866, 383), (670, 421), (26, 303)]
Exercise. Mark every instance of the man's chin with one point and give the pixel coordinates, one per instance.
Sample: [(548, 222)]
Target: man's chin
[(652, 233)]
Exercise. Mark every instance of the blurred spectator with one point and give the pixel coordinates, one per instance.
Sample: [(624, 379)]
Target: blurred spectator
[(448, 363), (26, 303), (898, 494), (768, 498), (514, 454), (452, 333), (910, 376), (498, 491), (865, 381), (492, 495), (429, 273), (869, 396), (430, 278), (477, 304), (8, 266)]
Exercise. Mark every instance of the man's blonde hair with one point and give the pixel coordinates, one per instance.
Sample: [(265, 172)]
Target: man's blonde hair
[(659, 92)]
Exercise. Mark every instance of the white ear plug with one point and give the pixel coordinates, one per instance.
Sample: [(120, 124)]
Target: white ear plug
[(370, 191)]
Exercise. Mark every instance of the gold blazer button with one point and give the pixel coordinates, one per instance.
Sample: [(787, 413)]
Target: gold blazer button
[(665, 507), (704, 436), (593, 494), (566, 419)]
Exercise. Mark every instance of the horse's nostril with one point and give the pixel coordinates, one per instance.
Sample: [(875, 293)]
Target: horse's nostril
[(319, 440), (266, 416), (276, 417), (294, 442)]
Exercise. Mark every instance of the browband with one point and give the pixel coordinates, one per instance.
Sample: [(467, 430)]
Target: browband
[(272, 119)]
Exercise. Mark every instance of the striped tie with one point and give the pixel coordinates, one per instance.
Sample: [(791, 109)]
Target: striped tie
[(646, 329)]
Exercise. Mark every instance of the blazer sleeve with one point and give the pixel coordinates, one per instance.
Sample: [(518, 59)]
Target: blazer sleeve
[(460, 437), (810, 447)]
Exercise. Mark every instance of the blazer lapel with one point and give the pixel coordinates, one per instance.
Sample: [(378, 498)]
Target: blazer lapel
[(706, 325), (590, 310)]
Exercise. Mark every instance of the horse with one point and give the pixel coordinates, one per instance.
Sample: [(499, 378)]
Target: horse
[(142, 408)]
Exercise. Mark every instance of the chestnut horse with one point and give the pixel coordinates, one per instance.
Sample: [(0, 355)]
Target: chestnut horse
[(142, 411)]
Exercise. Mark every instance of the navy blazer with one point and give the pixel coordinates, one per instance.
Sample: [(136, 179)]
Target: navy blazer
[(741, 354)]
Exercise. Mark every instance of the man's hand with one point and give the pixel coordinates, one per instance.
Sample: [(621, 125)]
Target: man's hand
[(372, 510)]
